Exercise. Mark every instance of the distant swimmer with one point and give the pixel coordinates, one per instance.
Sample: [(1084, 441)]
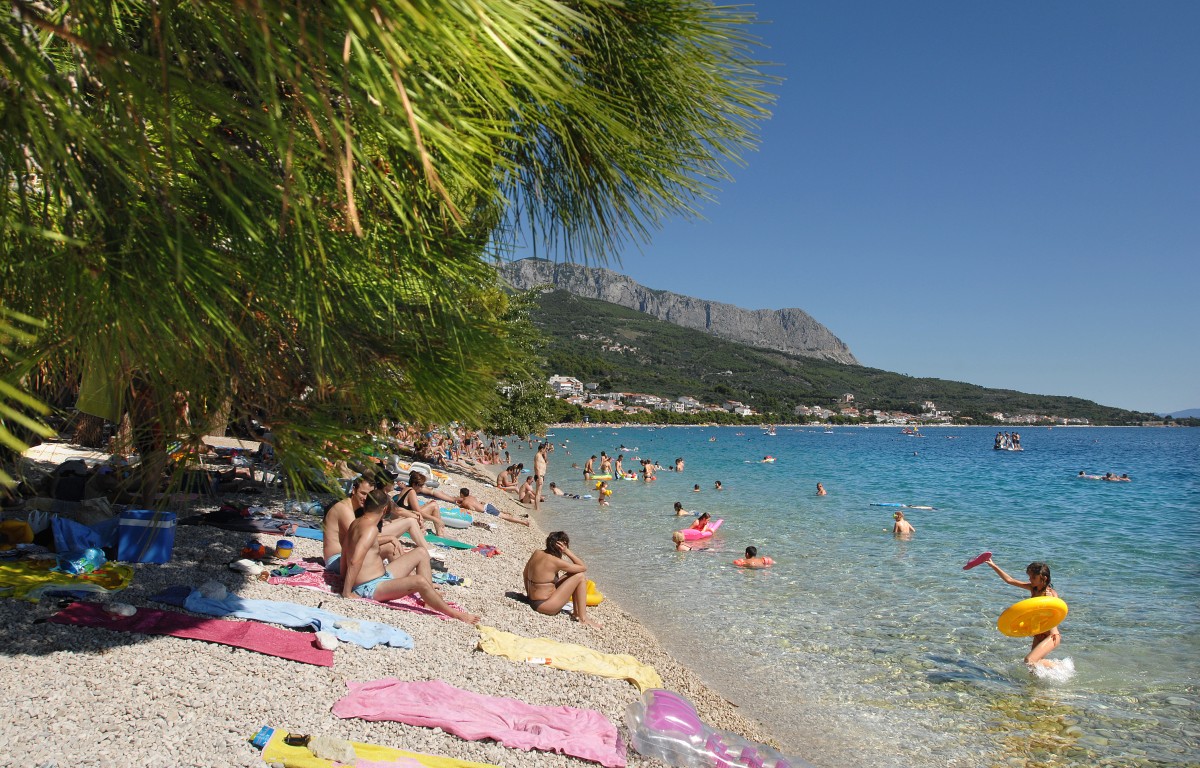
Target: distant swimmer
[(679, 510), (821, 490), (717, 486), (696, 488), (902, 529), (1085, 476)]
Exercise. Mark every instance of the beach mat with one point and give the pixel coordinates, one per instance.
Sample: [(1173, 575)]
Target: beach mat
[(277, 751), (271, 641), (29, 579), (569, 657), (316, 577), (366, 634), (582, 733)]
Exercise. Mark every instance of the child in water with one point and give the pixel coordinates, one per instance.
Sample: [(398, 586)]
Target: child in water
[(752, 560), (680, 543), (1039, 586)]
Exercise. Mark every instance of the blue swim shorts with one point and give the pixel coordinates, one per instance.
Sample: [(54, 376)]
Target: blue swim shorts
[(334, 564), (367, 588)]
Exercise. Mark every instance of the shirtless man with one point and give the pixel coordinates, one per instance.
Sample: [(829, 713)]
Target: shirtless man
[(527, 494), (587, 468), (547, 591), (540, 464), (340, 516), (365, 575), (902, 528), (468, 502), (507, 480)]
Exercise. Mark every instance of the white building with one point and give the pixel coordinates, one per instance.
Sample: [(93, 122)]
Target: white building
[(566, 385)]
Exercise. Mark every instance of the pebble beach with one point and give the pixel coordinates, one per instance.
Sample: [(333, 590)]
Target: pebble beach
[(79, 696)]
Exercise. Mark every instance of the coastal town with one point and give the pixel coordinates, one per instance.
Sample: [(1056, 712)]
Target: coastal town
[(617, 404)]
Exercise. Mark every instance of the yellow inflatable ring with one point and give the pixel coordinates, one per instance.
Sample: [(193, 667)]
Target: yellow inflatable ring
[(1032, 616), (594, 596)]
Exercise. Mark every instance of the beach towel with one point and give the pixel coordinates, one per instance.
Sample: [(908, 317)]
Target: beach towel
[(369, 756), (573, 658), (441, 541), (316, 577), (581, 733), (30, 579), (272, 641), (367, 634)]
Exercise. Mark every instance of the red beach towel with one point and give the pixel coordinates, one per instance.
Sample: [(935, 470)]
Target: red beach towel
[(582, 733), (316, 577), (272, 641)]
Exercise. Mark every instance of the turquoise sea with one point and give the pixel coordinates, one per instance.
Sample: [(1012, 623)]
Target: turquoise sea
[(858, 649)]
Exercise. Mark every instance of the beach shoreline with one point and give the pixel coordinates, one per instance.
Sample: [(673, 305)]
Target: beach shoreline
[(86, 696)]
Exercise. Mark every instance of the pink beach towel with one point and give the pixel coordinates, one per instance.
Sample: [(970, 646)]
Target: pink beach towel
[(581, 733), (316, 577), (272, 641)]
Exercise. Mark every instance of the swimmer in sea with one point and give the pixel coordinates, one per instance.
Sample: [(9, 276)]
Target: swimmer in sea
[(679, 510), (696, 488), (752, 560), (681, 544), (1039, 586), (718, 486), (701, 522), (820, 490), (902, 529)]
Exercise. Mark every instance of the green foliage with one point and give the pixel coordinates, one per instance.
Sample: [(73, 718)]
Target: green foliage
[(671, 361), (293, 208)]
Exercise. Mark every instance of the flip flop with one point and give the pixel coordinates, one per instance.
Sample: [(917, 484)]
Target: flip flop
[(980, 560)]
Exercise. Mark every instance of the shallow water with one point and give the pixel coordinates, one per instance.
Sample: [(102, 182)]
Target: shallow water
[(859, 649)]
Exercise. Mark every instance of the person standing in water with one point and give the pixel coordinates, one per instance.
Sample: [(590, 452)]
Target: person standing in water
[(902, 528), (820, 490), (1039, 586)]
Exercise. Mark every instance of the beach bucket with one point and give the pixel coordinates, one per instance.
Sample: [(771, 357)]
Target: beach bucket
[(283, 549)]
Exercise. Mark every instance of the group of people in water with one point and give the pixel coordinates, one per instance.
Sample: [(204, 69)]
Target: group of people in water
[(1111, 477), (1008, 442)]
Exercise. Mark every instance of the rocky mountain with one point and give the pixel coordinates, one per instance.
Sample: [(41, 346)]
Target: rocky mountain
[(785, 330)]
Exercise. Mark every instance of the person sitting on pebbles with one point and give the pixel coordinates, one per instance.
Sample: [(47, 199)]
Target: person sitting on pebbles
[(342, 514), (547, 591), (364, 573)]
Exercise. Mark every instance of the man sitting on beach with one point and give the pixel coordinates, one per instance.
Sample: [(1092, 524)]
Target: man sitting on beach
[(365, 575), (468, 502), (528, 494), (340, 516)]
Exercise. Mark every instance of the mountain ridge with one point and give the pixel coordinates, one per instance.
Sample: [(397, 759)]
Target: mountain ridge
[(790, 330)]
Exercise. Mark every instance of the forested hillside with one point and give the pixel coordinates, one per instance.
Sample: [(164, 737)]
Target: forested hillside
[(622, 349)]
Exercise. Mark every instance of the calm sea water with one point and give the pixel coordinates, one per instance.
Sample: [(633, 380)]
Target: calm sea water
[(858, 649)]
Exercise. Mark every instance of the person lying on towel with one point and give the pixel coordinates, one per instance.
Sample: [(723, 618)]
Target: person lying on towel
[(365, 575)]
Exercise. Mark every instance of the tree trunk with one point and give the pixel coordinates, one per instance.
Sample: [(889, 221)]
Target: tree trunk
[(89, 431)]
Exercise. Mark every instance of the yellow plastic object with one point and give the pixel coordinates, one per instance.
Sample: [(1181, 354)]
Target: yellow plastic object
[(1032, 616), (594, 596), (278, 751)]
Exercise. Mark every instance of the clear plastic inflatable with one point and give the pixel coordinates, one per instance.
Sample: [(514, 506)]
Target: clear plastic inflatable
[(665, 725)]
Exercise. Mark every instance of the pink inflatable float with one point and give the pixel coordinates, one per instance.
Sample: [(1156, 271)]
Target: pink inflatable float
[(665, 725), (692, 534)]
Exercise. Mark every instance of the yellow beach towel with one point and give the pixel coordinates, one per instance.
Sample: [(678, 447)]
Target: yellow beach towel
[(575, 658), (299, 757), (20, 577)]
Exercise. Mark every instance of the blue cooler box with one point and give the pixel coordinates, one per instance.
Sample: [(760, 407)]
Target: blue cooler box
[(145, 536)]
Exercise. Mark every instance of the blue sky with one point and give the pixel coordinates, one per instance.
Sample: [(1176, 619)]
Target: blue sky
[(1001, 193)]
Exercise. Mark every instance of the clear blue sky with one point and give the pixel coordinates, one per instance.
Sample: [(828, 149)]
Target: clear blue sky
[(1001, 193)]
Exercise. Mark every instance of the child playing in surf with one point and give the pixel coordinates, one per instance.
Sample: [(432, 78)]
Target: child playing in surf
[(1039, 586)]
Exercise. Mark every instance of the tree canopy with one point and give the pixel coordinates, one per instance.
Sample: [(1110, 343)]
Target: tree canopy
[(293, 208)]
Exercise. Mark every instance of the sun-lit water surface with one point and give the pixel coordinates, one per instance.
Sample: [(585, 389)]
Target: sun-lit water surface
[(858, 649)]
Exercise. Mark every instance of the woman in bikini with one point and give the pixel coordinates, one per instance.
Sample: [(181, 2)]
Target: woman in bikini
[(1039, 586), (547, 591), (410, 503)]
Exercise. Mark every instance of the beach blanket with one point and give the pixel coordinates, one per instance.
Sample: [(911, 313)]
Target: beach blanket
[(369, 756), (573, 658), (367, 634), (316, 577), (581, 733), (272, 641), (30, 579), (232, 519)]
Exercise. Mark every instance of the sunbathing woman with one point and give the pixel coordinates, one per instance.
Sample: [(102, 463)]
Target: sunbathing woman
[(547, 591), (408, 502)]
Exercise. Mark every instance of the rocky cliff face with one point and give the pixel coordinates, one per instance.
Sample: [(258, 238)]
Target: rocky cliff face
[(786, 330)]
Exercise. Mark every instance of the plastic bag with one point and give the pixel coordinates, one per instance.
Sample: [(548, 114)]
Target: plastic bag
[(666, 726), (86, 561)]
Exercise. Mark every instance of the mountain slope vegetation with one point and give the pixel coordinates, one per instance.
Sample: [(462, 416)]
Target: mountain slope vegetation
[(622, 349)]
